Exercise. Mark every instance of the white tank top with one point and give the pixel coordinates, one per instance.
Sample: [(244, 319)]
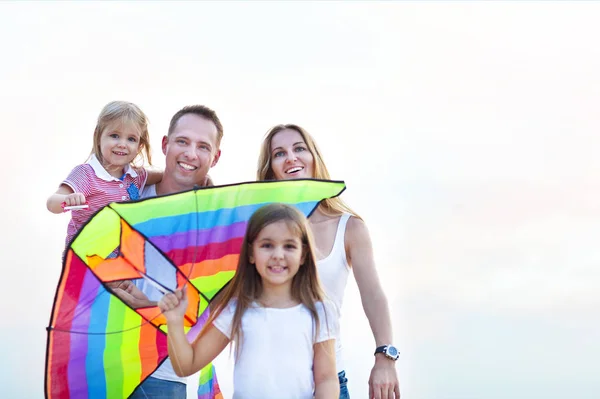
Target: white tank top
[(333, 272)]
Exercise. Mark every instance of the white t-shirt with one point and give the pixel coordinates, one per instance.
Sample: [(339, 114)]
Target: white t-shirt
[(165, 370), (276, 357)]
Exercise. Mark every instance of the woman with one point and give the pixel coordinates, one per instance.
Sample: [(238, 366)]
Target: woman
[(342, 243)]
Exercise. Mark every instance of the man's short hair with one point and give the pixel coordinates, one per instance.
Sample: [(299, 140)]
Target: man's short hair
[(202, 111)]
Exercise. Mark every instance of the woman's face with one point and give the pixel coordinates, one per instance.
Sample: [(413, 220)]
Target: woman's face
[(290, 157)]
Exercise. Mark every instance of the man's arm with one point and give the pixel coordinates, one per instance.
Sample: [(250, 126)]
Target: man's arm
[(130, 294)]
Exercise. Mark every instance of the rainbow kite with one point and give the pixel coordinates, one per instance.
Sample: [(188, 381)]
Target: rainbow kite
[(98, 346)]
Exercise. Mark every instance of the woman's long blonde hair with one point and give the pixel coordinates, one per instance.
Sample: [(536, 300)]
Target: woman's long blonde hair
[(246, 285), (330, 206), (125, 113)]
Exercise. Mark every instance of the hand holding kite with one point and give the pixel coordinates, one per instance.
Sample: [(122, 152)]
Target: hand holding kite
[(173, 305)]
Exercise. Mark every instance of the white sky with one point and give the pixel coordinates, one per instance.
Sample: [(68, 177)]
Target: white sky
[(467, 134)]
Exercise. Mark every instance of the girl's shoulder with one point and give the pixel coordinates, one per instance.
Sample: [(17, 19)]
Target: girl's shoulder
[(81, 176), (327, 308), (329, 317), (83, 168), (140, 171)]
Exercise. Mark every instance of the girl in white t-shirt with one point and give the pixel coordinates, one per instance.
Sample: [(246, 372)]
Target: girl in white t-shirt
[(274, 311)]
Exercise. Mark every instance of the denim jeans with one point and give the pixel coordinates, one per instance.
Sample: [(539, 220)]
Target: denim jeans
[(344, 394), (154, 388)]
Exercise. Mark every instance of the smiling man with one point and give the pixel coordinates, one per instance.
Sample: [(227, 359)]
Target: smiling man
[(191, 148)]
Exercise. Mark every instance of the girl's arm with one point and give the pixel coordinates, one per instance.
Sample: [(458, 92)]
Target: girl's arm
[(64, 194), (384, 378), (154, 176), (188, 359), (327, 385)]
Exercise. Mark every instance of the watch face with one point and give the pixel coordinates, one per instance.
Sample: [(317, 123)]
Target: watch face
[(392, 351)]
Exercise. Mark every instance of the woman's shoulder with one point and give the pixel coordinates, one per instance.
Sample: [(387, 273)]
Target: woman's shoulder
[(356, 228)]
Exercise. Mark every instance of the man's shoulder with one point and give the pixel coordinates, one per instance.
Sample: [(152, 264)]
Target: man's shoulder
[(149, 191)]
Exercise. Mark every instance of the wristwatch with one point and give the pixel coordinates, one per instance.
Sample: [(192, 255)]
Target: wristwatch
[(389, 351)]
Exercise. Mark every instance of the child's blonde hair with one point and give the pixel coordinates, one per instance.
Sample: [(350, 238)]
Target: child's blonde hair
[(330, 206), (246, 286), (124, 113)]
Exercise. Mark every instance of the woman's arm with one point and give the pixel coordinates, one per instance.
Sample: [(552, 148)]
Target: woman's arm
[(188, 359), (327, 385), (64, 194), (384, 377)]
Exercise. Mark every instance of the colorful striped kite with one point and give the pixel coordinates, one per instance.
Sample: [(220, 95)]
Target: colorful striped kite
[(98, 346)]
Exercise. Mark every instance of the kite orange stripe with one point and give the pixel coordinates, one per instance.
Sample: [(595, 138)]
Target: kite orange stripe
[(150, 355), (210, 267), (132, 246), (115, 269)]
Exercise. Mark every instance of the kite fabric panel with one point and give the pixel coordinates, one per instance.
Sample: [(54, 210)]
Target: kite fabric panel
[(100, 347)]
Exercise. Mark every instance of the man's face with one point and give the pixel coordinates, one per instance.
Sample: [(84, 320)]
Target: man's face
[(191, 150)]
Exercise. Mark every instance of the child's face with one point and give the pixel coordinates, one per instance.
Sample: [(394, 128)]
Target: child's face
[(119, 144), (277, 253)]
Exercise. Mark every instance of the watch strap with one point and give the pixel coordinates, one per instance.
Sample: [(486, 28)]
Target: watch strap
[(380, 349)]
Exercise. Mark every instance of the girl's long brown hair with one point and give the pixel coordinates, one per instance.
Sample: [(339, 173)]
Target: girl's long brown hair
[(246, 286), (330, 206)]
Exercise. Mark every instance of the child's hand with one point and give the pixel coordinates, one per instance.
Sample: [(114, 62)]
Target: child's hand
[(75, 199), (174, 305)]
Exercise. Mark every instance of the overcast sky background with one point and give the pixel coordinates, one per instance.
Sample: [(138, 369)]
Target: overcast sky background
[(467, 134)]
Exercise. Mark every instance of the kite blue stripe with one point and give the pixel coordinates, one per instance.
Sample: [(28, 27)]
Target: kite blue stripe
[(206, 220), (94, 362)]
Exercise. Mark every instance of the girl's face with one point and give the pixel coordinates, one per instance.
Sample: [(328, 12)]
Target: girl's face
[(119, 144), (290, 157), (277, 253)]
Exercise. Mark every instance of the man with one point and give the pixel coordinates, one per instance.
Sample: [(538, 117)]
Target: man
[(191, 148)]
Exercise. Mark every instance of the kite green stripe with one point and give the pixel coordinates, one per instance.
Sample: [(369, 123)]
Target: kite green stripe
[(206, 374), (113, 362), (202, 306), (100, 236), (209, 285), (130, 352), (290, 191)]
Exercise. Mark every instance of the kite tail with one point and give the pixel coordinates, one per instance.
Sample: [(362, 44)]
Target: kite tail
[(208, 386)]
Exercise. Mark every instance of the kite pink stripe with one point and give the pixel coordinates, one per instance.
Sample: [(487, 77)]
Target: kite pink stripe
[(199, 237)]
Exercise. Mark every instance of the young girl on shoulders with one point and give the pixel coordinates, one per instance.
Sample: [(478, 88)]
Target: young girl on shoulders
[(120, 139), (274, 311)]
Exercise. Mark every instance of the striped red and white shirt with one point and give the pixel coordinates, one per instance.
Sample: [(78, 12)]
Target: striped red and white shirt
[(100, 189)]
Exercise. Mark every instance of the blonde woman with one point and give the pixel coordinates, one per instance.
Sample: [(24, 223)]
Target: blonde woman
[(343, 244)]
